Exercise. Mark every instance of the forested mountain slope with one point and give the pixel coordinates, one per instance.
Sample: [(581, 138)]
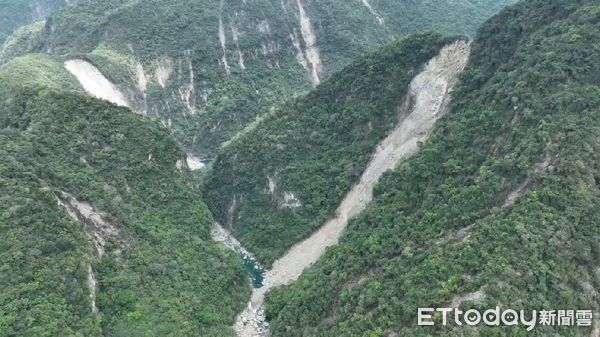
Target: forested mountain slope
[(207, 69), (101, 233), (426, 100), (17, 13), (499, 208), (284, 176)]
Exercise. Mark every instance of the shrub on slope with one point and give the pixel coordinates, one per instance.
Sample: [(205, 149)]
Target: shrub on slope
[(500, 206)]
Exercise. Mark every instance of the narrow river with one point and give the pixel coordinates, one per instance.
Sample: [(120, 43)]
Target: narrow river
[(255, 271), (428, 99)]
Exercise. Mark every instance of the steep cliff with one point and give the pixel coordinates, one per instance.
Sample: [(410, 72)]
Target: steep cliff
[(102, 234), (286, 174), (499, 207), (206, 69)]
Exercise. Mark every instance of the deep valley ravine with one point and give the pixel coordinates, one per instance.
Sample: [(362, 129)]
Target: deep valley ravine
[(428, 99)]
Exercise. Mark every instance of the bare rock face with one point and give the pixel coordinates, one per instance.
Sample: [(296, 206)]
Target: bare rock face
[(427, 100), (99, 231), (313, 56)]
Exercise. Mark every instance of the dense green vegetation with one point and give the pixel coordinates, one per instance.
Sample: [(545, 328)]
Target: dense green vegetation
[(37, 70), (182, 38), (400, 18), (43, 254), (22, 41), (160, 276), (526, 112), (315, 147), (17, 13), (524, 123)]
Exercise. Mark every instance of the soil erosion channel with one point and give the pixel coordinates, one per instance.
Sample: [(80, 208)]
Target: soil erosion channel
[(427, 100)]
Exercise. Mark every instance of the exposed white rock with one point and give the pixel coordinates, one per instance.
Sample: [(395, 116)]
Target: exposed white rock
[(270, 47), (100, 229), (285, 11), (187, 91), (310, 41), (428, 99), (191, 162), (231, 211), (92, 285), (72, 213), (430, 93), (241, 60), (253, 317), (223, 40), (235, 34), (194, 163), (264, 27), (141, 78), (205, 93), (236, 38), (163, 72), (97, 228), (287, 200), (94, 83), (470, 297), (92, 282), (517, 193), (379, 17), (272, 186), (290, 200), (300, 57), (222, 235)]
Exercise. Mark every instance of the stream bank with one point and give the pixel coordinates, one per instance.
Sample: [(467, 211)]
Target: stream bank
[(428, 99)]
